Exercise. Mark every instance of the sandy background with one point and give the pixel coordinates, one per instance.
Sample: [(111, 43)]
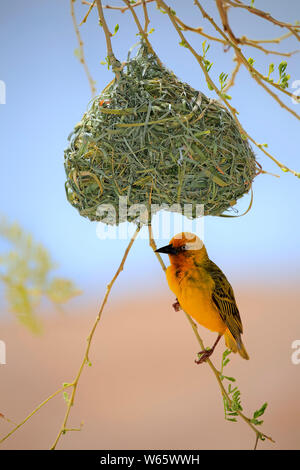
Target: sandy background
[(143, 390)]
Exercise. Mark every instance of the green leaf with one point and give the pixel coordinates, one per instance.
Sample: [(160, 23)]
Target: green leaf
[(226, 353), (282, 67), (205, 48), (21, 305), (208, 64), (231, 379), (222, 79), (271, 69), (256, 422), (183, 43), (25, 272), (61, 290), (78, 54), (66, 397), (263, 145), (261, 411), (227, 97), (115, 30)]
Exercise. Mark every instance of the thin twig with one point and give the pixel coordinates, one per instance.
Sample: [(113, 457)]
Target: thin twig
[(143, 34), (152, 244), (266, 16), (146, 16), (88, 12), (198, 30), (81, 50), (271, 41), (110, 54), (199, 59), (248, 42), (235, 71), (85, 360), (258, 77), (123, 9), (35, 411), (223, 7), (243, 40)]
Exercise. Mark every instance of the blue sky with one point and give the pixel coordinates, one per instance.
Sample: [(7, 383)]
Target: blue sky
[(47, 93)]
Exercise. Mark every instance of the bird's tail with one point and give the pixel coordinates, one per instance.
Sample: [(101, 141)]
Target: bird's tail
[(235, 346)]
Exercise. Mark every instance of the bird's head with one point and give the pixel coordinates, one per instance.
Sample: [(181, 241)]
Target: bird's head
[(183, 246)]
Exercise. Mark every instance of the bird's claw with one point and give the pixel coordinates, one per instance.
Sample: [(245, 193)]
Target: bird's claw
[(204, 355), (176, 306)]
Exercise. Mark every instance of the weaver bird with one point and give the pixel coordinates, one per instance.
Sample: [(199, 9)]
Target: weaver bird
[(203, 291)]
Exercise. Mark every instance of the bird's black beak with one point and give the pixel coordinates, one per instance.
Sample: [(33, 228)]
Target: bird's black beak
[(168, 249)]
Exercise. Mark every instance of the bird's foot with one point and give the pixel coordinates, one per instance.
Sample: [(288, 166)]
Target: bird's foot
[(176, 306), (204, 355)]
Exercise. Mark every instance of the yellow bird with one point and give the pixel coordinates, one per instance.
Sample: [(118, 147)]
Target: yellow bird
[(203, 291)]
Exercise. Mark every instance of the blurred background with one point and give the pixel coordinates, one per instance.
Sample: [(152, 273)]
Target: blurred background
[(143, 389)]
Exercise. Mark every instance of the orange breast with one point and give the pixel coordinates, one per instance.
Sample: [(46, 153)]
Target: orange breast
[(193, 290)]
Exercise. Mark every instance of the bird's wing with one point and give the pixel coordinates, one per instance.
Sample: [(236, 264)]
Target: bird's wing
[(223, 298)]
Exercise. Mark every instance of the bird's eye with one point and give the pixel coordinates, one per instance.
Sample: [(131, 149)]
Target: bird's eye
[(182, 248)]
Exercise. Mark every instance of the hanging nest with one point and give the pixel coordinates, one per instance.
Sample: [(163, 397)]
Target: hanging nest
[(148, 135)]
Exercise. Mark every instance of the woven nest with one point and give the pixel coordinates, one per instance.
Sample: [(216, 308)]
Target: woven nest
[(150, 134)]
